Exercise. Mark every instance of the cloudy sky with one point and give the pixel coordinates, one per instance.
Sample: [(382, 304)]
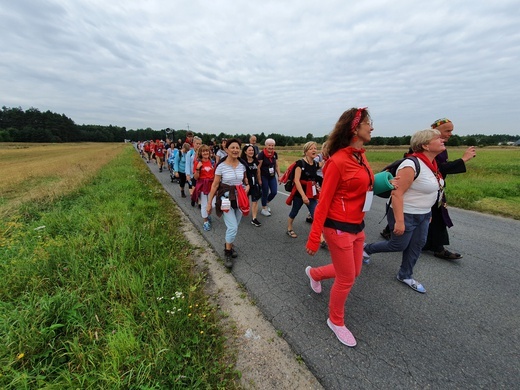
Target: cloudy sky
[(289, 67)]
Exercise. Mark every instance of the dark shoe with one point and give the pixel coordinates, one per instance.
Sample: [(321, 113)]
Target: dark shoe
[(324, 245), (233, 252), (160, 169), (256, 222), (183, 195), (447, 255), (308, 219), (228, 259), (192, 203), (386, 234)]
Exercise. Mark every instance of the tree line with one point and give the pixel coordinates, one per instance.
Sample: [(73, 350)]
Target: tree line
[(32, 125)]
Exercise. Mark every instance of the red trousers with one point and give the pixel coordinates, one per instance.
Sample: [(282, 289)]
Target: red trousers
[(346, 252)]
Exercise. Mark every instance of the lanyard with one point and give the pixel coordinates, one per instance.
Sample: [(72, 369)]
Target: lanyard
[(362, 163)]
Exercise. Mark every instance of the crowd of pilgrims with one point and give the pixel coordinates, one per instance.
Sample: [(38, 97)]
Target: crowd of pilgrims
[(336, 184), (216, 174)]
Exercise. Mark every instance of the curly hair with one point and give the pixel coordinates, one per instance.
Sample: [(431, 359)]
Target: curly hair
[(342, 134)]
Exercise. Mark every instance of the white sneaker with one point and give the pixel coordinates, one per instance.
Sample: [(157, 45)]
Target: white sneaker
[(366, 256), (268, 208), (265, 212)]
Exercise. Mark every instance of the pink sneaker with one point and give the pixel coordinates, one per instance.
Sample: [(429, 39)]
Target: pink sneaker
[(343, 334), (316, 286)]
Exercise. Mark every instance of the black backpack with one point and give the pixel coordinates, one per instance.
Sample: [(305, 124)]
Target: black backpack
[(392, 168)]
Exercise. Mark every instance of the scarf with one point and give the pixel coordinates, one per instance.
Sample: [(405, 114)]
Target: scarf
[(430, 164), (268, 154)]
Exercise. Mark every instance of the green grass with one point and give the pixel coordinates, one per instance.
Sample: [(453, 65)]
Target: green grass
[(490, 185), (98, 292)]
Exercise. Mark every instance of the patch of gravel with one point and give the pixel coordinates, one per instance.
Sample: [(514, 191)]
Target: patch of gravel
[(264, 359)]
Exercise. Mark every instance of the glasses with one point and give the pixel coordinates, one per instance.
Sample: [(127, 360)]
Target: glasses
[(369, 122)]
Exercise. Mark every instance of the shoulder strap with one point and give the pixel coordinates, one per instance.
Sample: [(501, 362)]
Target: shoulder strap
[(417, 165)]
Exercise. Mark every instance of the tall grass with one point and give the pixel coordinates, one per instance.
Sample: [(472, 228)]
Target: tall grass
[(98, 292), (32, 172)]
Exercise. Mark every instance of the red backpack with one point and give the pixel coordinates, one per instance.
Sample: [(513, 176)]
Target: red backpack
[(288, 177)]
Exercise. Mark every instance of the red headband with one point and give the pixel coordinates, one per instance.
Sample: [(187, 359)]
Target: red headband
[(357, 118)]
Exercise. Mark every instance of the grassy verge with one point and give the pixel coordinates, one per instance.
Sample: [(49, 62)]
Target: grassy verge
[(98, 292)]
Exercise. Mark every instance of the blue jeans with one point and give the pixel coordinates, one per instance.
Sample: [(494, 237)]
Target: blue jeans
[(297, 204), (410, 243), (232, 219), (269, 189)]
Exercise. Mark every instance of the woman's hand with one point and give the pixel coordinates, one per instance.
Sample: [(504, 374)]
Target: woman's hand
[(399, 228), (395, 182), (208, 208), (305, 200), (310, 251)]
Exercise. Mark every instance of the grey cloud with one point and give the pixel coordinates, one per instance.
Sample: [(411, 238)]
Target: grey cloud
[(289, 67)]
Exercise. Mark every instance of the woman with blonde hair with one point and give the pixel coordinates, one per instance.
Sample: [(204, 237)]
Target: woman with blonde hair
[(204, 174), (306, 188), (410, 205)]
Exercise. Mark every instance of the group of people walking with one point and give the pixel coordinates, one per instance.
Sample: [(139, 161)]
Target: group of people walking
[(336, 186)]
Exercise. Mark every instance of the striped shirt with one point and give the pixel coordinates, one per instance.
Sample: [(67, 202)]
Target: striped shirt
[(231, 176)]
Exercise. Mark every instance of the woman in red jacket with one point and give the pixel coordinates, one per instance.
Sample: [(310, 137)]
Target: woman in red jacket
[(346, 194)]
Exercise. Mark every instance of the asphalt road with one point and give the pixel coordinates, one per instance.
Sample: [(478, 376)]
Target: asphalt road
[(463, 333)]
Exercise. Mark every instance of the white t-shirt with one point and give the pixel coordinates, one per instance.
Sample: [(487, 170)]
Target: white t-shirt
[(422, 194), (229, 175)]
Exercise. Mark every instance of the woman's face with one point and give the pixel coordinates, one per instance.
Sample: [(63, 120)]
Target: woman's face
[(436, 145), (270, 146), (311, 152), (250, 151), (364, 130), (205, 154), (233, 150)]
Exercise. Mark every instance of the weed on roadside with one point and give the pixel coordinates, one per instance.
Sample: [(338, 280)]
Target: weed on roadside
[(98, 291)]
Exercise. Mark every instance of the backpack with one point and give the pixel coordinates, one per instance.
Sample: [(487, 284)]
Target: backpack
[(392, 168), (287, 178)]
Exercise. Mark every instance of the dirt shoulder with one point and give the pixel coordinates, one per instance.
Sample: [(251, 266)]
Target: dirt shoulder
[(265, 360)]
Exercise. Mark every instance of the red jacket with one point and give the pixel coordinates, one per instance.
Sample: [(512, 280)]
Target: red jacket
[(343, 192)]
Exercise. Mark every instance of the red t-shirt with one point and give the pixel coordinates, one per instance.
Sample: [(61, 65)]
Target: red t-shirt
[(207, 171)]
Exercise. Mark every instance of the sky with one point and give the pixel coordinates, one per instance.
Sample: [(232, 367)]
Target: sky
[(243, 66)]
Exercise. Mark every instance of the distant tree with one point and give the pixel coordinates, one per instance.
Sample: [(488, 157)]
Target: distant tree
[(394, 141), (309, 137), (377, 141), (455, 140), (470, 141)]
